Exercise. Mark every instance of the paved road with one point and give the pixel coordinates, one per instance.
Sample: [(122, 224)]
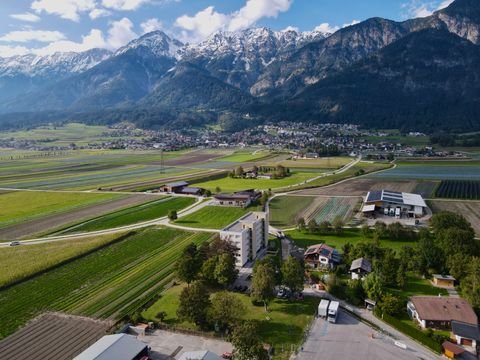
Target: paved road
[(350, 339)]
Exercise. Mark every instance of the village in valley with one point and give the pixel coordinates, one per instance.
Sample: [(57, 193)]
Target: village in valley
[(245, 252)]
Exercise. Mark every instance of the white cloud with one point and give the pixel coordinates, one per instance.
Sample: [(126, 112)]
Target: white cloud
[(124, 5), (421, 8), (326, 28), (354, 22), (151, 25), (93, 40), (28, 17), (205, 22), (8, 51), (98, 13), (66, 9), (32, 35), (120, 33)]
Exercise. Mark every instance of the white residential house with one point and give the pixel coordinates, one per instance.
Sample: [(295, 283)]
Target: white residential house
[(250, 235)]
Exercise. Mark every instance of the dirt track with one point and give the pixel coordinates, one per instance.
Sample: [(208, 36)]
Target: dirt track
[(52, 222)]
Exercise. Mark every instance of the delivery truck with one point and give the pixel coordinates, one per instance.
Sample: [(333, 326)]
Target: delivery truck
[(333, 311), (323, 308)]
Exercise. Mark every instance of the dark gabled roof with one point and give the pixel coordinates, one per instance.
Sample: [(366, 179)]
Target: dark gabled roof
[(191, 190), (361, 263), (177, 184), (232, 197), (467, 331)]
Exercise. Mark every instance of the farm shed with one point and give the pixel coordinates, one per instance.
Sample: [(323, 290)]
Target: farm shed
[(452, 351), (438, 312), (443, 281), (115, 347), (411, 205), (175, 187)]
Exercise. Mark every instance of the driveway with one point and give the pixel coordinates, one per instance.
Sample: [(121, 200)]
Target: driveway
[(164, 344), (350, 339)]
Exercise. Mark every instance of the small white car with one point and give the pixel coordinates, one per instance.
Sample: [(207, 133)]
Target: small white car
[(15, 243)]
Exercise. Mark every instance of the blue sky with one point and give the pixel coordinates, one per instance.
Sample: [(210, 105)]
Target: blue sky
[(46, 26)]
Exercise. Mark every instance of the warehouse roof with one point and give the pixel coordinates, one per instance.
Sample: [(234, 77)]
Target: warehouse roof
[(395, 197), (113, 347)]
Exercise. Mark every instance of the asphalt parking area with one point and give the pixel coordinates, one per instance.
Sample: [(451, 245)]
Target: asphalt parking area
[(350, 339), (164, 344)]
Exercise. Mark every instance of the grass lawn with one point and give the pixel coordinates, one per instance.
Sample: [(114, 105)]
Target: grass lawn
[(353, 236), (285, 209), (283, 326), (19, 262), (228, 184), (19, 206), (145, 212), (418, 286), (214, 217)]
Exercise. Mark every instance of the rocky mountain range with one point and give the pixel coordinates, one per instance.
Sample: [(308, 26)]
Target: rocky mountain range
[(421, 73)]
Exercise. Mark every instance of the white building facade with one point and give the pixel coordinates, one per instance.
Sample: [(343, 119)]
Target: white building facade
[(249, 234)]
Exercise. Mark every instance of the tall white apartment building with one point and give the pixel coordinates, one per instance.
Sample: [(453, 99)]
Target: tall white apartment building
[(249, 234)]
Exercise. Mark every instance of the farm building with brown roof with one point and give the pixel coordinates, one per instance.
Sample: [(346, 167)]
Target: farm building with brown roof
[(438, 312)]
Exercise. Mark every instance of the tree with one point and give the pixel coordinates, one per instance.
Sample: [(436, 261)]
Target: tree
[(380, 229), (218, 190), (374, 287), (312, 226), (446, 220), (301, 224), (225, 270), (239, 171), (470, 285), (264, 198), (401, 278), (391, 305), (263, 283), (172, 215), (366, 231), (428, 256), (194, 304), (293, 273), (208, 193), (208, 271), (457, 265), (226, 309), (247, 343), (187, 266), (338, 225), (324, 227), (395, 231)]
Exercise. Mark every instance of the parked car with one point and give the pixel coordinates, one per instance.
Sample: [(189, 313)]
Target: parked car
[(15, 243)]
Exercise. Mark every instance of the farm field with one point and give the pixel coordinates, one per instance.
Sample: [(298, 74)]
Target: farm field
[(20, 206), (330, 208), (19, 262), (360, 187), (241, 157), (109, 283), (228, 184), (286, 210), (145, 212), (284, 328), (459, 189), (48, 224), (330, 163), (213, 217), (305, 239), (469, 209), (433, 170)]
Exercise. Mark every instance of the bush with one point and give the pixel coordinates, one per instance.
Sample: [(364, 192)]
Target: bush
[(413, 332)]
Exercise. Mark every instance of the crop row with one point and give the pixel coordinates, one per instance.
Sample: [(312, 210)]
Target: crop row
[(136, 257), (459, 189), (334, 208)]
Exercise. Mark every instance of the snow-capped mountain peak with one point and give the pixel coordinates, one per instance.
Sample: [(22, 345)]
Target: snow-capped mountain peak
[(158, 43)]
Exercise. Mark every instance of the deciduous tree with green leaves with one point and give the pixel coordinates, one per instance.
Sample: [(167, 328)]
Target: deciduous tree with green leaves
[(293, 274), (247, 344), (194, 304), (226, 309), (263, 283)]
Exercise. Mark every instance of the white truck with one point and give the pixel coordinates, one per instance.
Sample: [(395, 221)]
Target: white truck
[(323, 308), (333, 311)]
